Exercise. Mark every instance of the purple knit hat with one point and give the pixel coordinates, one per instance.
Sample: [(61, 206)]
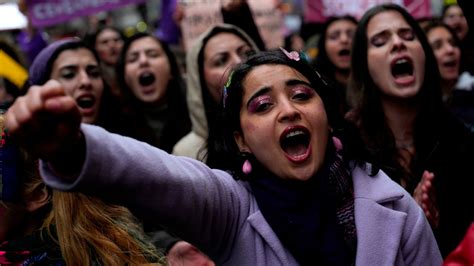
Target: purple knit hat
[(41, 67)]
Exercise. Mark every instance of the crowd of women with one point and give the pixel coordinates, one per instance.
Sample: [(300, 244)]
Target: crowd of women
[(111, 155)]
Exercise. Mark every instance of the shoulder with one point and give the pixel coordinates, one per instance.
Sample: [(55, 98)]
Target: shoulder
[(390, 222), (383, 191), (379, 187)]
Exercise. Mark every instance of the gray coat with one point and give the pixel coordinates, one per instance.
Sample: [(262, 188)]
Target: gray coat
[(220, 216)]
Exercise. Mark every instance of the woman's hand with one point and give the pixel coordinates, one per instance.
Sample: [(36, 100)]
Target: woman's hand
[(184, 254), (425, 196), (46, 123)]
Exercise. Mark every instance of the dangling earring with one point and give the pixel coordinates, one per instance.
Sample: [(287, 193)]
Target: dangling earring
[(247, 167), (335, 140), (337, 143)]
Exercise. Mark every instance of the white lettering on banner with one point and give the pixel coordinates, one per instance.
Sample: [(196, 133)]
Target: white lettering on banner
[(66, 7)]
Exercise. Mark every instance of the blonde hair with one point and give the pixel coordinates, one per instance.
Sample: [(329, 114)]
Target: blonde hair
[(88, 230)]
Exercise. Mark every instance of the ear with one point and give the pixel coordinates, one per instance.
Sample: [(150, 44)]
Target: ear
[(39, 197), (240, 140)]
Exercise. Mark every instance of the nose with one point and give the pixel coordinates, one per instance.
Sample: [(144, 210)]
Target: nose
[(84, 79), (288, 112), (142, 59), (398, 43), (235, 59), (449, 48), (345, 38)]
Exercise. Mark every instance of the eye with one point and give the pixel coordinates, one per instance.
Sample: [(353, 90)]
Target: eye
[(244, 53), (302, 93), (379, 40), (153, 53), (94, 72), (437, 45), (453, 43), (407, 34), (132, 58), (68, 74), (249, 52), (350, 34), (260, 104), (221, 60), (333, 35)]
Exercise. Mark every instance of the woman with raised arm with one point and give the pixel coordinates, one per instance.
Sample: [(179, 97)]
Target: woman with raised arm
[(292, 194), (43, 226)]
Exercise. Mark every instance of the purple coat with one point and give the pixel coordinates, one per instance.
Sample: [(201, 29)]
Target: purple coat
[(220, 215)]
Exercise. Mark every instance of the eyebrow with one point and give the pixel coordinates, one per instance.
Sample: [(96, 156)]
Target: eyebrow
[(294, 82), (288, 83), (260, 92), (387, 31), (73, 66), (78, 65)]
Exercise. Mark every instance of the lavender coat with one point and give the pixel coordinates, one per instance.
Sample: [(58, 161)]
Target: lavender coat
[(220, 215)]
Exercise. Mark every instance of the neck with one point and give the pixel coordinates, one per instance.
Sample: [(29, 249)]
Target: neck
[(400, 118), (342, 76), (447, 87)]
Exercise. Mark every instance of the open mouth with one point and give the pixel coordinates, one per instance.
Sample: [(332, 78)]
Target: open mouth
[(345, 52), (402, 68), (85, 102), (450, 63), (294, 142), (146, 79)]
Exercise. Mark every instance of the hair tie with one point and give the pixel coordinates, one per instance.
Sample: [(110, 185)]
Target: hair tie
[(227, 85), (293, 55)]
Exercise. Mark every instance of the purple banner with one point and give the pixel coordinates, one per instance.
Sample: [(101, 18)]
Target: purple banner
[(51, 12)]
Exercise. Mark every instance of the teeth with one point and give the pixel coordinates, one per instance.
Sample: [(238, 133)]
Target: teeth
[(294, 133), (401, 61)]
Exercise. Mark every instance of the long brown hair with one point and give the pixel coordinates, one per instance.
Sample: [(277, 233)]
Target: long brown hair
[(88, 230)]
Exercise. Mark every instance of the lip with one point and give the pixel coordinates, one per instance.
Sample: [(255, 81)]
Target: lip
[(404, 56), (90, 110), (146, 89), (450, 63), (344, 56), (302, 157), (405, 81)]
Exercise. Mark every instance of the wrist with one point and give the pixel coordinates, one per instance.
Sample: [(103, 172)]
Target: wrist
[(68, 162)]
